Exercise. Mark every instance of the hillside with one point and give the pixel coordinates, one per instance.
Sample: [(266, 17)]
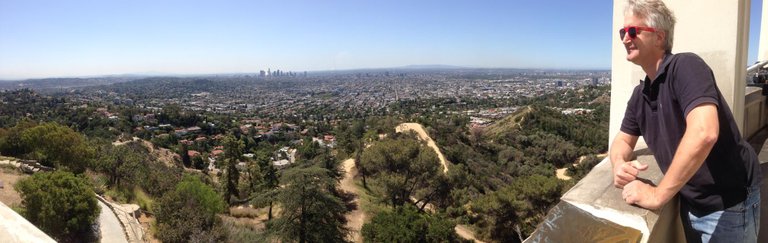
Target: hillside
[(509, 123)]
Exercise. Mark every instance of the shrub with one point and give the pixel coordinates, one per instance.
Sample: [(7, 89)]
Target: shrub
[(61, 204)]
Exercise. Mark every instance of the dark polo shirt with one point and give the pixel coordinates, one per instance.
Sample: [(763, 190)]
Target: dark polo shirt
[(657, 111)]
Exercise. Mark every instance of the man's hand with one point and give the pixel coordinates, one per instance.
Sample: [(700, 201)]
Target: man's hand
[(643, 195), (624, 173)]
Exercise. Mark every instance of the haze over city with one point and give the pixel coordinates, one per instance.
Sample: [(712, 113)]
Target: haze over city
[(84, 38)]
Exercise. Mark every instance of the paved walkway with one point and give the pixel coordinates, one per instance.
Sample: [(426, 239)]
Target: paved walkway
[(111, 230), (132, 228)]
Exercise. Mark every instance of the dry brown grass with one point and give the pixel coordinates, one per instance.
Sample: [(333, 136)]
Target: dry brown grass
[(245, 212), (147, 222), (9, 177)]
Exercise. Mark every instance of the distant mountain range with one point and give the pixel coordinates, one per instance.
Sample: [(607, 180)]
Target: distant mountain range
[(431, 66), (64, 83)]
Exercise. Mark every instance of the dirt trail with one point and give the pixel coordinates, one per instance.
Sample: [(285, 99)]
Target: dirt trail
[(465, 233), (561, 172), (355, 218), (461, 230), (419, 129), (118, 142)]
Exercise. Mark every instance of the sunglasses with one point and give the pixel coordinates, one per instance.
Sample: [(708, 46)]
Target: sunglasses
[(633, 31)]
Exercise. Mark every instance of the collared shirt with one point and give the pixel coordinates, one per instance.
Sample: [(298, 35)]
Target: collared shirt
[(657, 111)]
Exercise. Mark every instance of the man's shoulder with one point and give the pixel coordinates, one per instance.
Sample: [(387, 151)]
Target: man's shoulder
[(637, 91), (686, 64), (687, 57)]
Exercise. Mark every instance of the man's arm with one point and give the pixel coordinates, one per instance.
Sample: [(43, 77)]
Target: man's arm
[(621, 153), (700, 136)]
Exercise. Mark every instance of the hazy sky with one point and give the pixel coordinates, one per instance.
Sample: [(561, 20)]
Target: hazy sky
[(74, 38)]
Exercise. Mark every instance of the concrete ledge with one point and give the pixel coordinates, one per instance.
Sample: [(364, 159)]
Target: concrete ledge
[(15, 228), (595, 207)]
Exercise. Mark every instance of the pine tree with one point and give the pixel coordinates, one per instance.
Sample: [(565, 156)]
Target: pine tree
[(310, 212), (269, 180), (233, 151)]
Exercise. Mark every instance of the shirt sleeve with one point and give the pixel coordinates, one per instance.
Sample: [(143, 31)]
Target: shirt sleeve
[(694, 83), (629, 124)]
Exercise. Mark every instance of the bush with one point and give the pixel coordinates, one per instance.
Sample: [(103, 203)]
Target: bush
[(145, 201), (188, 211), (59, 203), (243, 233), (406, 224), (120, 194)]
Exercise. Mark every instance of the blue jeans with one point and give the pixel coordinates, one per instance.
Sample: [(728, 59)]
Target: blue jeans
[(739, 223)]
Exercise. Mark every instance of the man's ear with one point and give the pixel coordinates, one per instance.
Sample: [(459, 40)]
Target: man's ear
[(662, 40)]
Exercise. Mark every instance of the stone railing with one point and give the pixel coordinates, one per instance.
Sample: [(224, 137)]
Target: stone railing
[(593, 211), (131, 226)]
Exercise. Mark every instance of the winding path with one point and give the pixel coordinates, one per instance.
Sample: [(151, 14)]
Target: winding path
[(560, 173), (464, 232), (355, 218), (111, 229), (461, 230), (419, 129)]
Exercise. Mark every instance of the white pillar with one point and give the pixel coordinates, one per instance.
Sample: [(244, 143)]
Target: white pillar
[(716, 30), (762, 53)]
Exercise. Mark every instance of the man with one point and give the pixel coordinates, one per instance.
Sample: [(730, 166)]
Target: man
[(688, 126)]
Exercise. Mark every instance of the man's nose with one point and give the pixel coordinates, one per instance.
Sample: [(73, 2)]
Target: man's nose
[(626, 39)]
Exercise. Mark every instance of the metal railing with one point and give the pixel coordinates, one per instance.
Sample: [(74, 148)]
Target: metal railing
[(757, 74)]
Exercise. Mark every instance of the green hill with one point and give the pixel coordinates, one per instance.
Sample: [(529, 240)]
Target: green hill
[(509, 123)]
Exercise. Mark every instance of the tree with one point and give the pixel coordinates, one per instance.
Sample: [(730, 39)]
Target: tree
[(59, 203), (330, 163), (233, 152), (400, 167), (11, 142), (185, 159), (255, 180), (58, 146), (188, 210), (270, 181), (199, 162), (119, 162), (581, 170), (360, 169), (310, 212), (522, 204), (406, 224), (308, 149)]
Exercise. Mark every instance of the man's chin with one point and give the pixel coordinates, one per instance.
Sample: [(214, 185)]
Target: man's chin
[(632, 58)]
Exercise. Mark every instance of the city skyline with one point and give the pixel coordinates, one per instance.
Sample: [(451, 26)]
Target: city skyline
[(40, 39)]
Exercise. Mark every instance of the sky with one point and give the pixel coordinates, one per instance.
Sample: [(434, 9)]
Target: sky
[(88, 38)]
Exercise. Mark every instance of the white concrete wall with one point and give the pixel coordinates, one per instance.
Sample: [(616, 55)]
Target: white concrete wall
[(15, 228), (754, 111), (762, 53), (716, 30)]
